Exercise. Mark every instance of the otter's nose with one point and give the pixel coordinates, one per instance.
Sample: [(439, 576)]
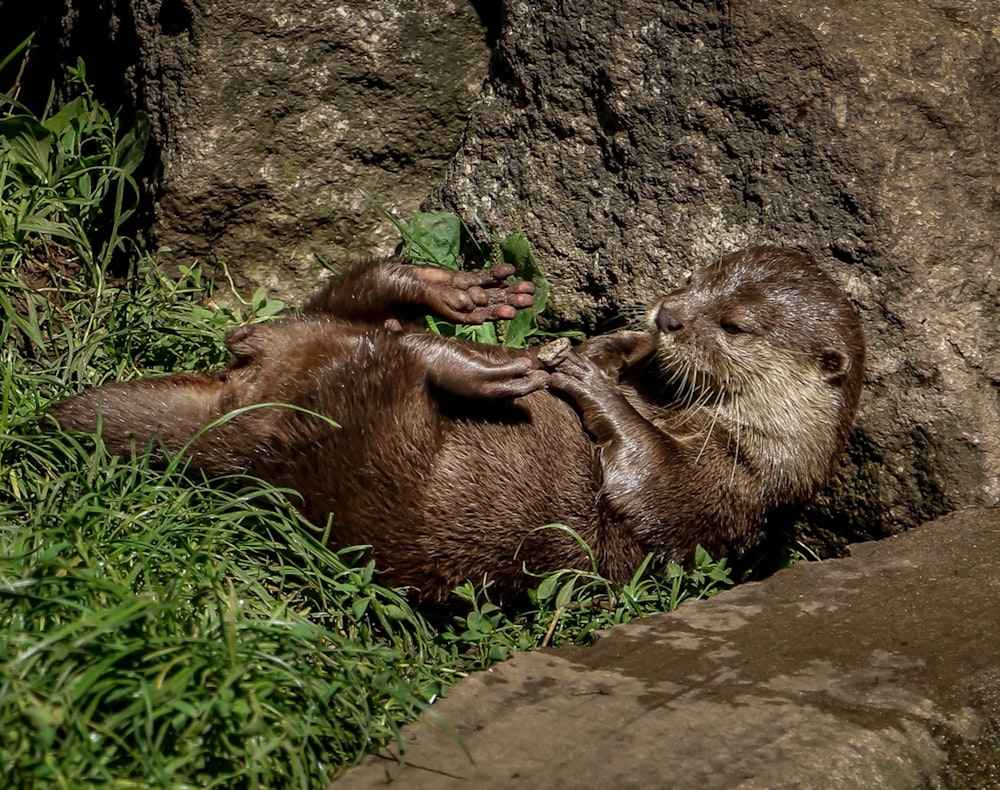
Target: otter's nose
[(667, 321)]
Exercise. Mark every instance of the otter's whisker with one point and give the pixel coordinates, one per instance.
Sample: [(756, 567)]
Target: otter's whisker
[(736, 450), (711, 427)]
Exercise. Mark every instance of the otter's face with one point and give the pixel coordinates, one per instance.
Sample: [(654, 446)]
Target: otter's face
[(759, 335)]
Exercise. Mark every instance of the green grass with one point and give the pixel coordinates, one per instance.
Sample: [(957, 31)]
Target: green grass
[(158, 629)]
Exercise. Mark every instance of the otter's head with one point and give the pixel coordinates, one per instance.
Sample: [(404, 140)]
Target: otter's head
[(772, 348)]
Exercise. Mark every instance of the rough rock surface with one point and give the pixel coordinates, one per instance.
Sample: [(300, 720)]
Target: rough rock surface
[(271, 117), (639, 139), (875, 671)]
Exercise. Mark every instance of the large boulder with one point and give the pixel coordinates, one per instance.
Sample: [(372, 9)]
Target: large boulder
[(639, 139), (271, 117)]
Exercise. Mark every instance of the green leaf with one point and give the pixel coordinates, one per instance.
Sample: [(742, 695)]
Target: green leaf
[(68, 116), (30, 142), (131, 149), (47, 227), (485, 333), (15, 52), (434, 237), (517, 251), (566, 592), (258, 298), (548, 586), (269, 308)]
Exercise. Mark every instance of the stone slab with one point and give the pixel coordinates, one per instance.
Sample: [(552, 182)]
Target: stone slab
[(879, 670)]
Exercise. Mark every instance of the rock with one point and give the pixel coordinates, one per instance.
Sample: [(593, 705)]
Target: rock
[(875, 671), (641, 139), (271, 117)]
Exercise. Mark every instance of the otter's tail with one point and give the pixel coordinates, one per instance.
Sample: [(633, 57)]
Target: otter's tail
[(166, 412)]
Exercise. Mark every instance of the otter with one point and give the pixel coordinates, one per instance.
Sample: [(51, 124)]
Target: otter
[(708, 425)]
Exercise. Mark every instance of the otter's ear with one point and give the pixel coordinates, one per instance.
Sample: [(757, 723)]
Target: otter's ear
[(834, 363)]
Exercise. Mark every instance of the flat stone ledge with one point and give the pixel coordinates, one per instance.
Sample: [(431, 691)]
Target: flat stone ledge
[(880, 670)]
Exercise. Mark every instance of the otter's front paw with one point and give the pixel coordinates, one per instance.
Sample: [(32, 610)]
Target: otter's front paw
[(474, 379), (579, 377)]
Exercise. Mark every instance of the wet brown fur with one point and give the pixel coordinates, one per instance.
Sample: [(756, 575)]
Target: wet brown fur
[(723, 414)]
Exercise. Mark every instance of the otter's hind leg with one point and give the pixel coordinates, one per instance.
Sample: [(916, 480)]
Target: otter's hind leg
[(395, 294), (166, 411)]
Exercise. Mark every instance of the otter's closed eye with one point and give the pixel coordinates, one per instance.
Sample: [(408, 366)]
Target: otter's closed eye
[(731, 328)]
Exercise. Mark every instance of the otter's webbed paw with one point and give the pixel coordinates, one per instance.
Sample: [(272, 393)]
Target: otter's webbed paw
[(583, 378), (613, 352), (474, 297), (595, 393), (476, 372)]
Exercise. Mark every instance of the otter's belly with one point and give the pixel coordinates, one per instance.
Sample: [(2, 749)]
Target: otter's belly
[(443, 488), (503, 475), (526, 462)]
